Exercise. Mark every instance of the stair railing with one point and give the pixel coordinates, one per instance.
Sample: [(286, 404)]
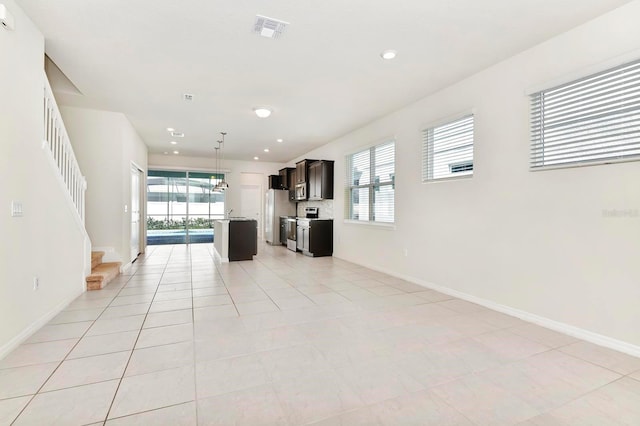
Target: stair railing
[(56, 142)]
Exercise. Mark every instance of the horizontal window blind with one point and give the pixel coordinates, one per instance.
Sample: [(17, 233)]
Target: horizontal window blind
[(371, 184), (447, 150), (594, 119)]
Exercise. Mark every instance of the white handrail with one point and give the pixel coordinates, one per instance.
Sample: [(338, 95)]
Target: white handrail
[(56, 141)]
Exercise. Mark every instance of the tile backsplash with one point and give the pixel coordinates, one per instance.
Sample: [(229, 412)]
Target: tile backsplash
[(325, 208)]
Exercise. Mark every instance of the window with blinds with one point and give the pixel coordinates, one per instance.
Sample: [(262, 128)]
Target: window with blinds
[(371, 184), (592, 120), (447, 150)]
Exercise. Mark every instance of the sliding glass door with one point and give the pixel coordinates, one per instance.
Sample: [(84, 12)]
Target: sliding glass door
[(181, 207), (205, 206)]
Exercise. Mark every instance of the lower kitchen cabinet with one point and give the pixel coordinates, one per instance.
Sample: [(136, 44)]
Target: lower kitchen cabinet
[(235, 239), (315, 237), (243, 239)]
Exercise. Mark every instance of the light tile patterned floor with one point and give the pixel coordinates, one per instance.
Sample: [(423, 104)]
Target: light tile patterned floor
[(290, 340)]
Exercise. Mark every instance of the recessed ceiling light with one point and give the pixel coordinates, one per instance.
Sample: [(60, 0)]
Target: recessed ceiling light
[(176, 152), (279, 140), (262, 112), (170, 129), (256, 158), (165, 153), (266, 150), (173, 143), (388, 54)]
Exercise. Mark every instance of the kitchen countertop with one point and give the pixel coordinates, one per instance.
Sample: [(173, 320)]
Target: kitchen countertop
[(235, 219)]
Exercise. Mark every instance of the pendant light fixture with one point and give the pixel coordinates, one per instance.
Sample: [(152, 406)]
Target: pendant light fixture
[(222, 186), (216, 189)]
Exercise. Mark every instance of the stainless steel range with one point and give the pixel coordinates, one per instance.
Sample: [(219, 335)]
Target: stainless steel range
[(302, 237), (311, 212), (295, 229), (292, 228)]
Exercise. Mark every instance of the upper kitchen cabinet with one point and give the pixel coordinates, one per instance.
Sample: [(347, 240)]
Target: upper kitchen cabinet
[(286, 178), (291, 171), (302, 170), (320, 180), (275, 182), (302, 179)]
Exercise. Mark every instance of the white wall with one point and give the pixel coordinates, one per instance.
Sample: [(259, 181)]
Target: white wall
[(234, 171), (105, 144), (46, 242), (533, 241)]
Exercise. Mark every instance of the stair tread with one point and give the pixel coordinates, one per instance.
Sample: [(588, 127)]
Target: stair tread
[(102, 274), (108, 265)]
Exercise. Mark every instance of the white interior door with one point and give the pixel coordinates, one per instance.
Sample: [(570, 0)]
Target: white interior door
[(136, 178), (251, 204)]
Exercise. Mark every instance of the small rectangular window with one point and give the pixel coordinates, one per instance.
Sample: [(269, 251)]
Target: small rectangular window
[(371, 184), (447, 150), (592, 120)]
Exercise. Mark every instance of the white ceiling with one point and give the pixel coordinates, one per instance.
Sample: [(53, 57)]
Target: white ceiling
[(322, 78)]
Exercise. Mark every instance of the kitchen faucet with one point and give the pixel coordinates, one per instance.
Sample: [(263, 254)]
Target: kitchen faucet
[(228, 213)]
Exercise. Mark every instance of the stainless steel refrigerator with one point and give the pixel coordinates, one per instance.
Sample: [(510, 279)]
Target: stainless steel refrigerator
[(277, 205)]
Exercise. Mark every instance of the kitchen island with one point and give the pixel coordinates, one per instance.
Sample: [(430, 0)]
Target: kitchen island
[(235, 239)]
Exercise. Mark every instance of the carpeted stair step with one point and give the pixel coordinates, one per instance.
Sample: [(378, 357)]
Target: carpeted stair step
[(96, 258), (102, 274)]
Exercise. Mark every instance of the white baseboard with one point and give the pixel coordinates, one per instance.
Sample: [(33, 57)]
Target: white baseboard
[(35, 326), (577, 332), (125, 268), (217, 255)]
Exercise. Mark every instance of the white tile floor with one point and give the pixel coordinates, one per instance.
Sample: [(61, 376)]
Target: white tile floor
[(290, 340)]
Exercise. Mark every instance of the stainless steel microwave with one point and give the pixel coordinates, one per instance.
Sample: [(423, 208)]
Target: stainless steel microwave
[(301, 191)]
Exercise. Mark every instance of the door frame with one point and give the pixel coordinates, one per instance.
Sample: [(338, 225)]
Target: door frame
[(142, 208), (255, 179), (186, 171)]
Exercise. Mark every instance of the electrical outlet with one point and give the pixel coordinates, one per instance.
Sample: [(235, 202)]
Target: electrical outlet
[(36, 283), (16, 209)]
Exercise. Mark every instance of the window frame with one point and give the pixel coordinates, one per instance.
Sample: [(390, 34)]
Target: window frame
[(536, 140), (427, 148), (372, 186)]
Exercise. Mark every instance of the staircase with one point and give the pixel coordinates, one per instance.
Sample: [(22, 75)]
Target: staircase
[(101, 273)]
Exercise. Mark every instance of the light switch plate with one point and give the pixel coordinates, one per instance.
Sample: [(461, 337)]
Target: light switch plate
[(16, 209)]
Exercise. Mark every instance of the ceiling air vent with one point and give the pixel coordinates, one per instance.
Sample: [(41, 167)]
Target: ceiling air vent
[(177, 134), (269, 27)]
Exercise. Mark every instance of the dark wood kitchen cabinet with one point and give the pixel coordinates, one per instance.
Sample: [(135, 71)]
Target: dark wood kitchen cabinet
[(275, 182), (302, 179), (243, 239), (302, 168), (320, 177), (315, 237), (292, 183), (286, 175)]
